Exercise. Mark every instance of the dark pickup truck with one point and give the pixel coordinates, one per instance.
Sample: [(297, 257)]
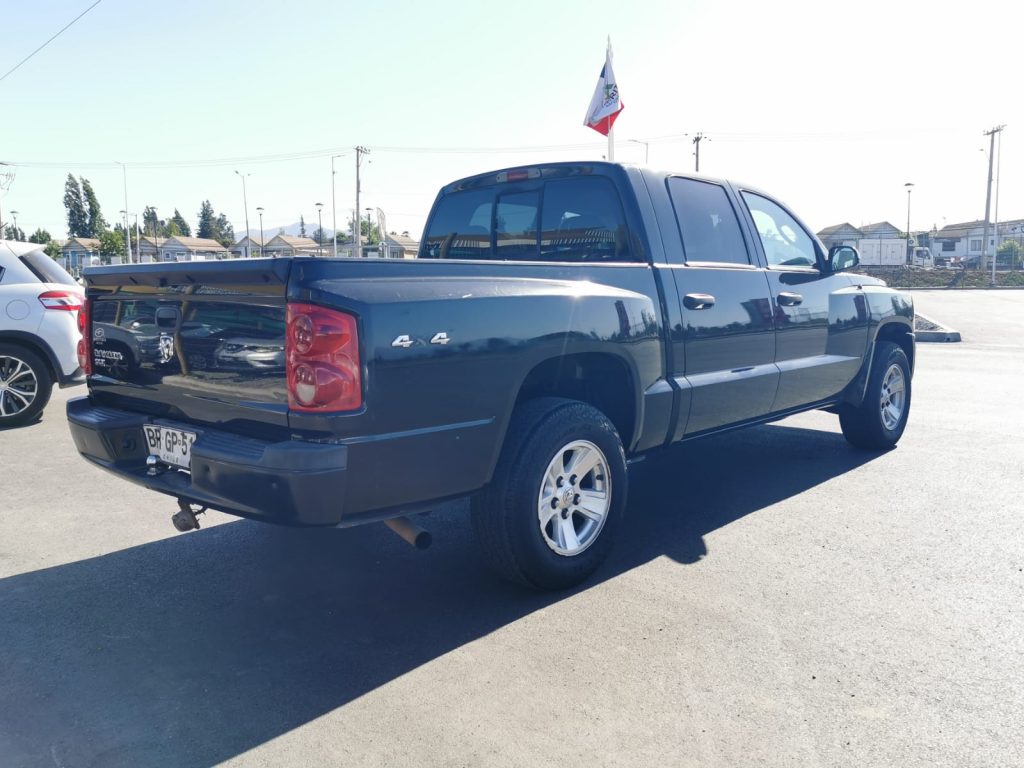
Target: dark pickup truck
[(561, 319)]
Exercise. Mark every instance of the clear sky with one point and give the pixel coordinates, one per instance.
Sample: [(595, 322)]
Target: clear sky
[(831, 106)]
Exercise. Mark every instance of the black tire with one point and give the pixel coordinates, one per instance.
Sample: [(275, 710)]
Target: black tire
[(11, 400), (864, 426), (506, 518)]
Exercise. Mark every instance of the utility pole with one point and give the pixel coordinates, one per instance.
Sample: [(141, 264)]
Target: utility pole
[(357, 242), (334, 208), (999, 161), (696, 152), (909, 185), (127, 236), (245, 202), (982, 262)]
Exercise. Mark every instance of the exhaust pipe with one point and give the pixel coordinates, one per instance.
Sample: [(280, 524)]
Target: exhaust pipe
[(408, 530)]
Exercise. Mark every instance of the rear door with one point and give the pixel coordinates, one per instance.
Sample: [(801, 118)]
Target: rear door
[(821, 318), (729, 337)]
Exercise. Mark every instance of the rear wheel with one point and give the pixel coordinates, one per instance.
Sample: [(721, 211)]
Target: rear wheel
[(878, 422), (550, 514), (25, 385)]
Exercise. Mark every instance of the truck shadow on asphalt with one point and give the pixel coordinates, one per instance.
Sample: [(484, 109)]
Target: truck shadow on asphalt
[(194, 649)]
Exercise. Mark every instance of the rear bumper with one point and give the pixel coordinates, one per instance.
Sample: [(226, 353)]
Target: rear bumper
[(289, 483)]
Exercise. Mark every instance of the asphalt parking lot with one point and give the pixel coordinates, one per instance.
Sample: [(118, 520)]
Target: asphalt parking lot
[(777, 598)]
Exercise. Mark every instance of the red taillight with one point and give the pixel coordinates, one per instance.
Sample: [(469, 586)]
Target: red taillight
[(69, 301), (85, 343), (323, 359)]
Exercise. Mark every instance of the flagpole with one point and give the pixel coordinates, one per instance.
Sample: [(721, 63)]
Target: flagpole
[(611, 130)]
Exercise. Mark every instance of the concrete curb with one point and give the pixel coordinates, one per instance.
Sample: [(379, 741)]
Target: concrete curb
[(942, 335)]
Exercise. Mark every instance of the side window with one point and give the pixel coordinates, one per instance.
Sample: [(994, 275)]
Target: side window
[(785, 242), (515, 226), (461, 226), (582, 221), (707, 222)]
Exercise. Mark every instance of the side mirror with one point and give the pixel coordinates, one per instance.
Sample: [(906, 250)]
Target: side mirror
[(843, 257)]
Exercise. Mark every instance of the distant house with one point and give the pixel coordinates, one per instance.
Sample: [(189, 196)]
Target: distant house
[(286, 245), (881, 230), (840, 234), (181, 248), (247, 247), (399, 246), (78, 252), (965, 240)]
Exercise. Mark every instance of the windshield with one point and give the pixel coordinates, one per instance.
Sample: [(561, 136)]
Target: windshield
[(46, 269)]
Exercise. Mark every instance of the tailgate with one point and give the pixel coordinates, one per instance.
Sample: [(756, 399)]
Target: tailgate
[(202, 342)]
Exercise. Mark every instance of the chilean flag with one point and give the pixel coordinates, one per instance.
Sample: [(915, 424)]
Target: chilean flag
[(606, 104)]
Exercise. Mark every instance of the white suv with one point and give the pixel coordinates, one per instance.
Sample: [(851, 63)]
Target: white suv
[(39, 304)]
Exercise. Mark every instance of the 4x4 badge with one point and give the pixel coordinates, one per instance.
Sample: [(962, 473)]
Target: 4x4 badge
[(405, 341)]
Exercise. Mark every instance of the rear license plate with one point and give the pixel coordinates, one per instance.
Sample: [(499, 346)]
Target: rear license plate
[(171, 446)]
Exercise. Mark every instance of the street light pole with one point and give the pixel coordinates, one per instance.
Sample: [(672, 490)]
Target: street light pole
[(909, 185), (320, 229), (259, 210), (245, 202), (369, 225), (647, 147)]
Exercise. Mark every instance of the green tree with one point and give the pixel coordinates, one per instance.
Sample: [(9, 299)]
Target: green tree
[(97, 225), (224, 233), (302, 226), (207, 221), (74, 204), (178, 221), (53, 250), (1008, 253), (40, 236), (111, 243), (152, 225), (370, 231), (12, 232)]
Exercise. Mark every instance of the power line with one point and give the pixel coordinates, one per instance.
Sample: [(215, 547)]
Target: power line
[(537, 148), (58, 34)]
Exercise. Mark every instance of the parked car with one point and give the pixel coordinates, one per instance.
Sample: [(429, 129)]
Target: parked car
[(39, 334), (563, 319)]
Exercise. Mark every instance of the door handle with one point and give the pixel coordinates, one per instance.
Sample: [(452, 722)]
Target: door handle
[(787, 299), (698, 301)]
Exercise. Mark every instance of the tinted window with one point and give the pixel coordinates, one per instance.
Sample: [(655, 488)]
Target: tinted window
[(46, 269), (707, 222), (582, 221), (461, 226), (785, 242), (515, 226)]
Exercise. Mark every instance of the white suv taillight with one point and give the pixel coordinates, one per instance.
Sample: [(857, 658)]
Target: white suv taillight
[(69, 301), (85, 343), (323, 360)]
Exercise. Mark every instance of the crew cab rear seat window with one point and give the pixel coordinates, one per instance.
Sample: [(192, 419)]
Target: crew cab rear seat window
[(707, 223), (573, 220)]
